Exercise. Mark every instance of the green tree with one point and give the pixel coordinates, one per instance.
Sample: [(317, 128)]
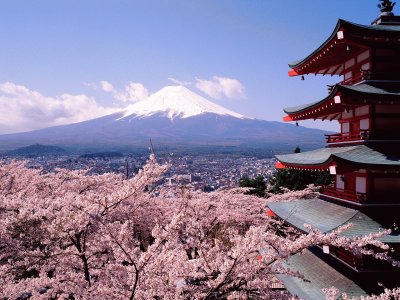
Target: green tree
[(258, 185)]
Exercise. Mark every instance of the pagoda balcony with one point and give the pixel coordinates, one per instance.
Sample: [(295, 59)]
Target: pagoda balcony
[(352, 196), (347, 257), (356, 79), (348, 137)]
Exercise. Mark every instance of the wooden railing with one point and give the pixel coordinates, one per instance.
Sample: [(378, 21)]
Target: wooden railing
[(348, 137), (355, 79), (348, 257), (343, 194)]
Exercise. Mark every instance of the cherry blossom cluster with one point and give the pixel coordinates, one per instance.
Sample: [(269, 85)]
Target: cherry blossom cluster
[(311, 191), (69, 235), (388, 294)]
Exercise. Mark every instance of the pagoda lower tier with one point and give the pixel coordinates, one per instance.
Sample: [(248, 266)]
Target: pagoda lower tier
[(318, 275), (367, 112), (363, 176), (322, 271), (327, 217)]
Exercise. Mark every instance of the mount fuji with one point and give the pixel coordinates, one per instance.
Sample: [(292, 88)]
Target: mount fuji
[(176, 102), (173, 117)]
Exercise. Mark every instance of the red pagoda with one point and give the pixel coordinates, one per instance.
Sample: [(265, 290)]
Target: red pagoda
[(364, 157)]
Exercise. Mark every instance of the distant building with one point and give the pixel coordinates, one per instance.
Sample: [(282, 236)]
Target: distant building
[(189, 178), (364, 157)]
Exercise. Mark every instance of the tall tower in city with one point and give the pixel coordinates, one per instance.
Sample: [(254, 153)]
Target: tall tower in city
[(364, 157)]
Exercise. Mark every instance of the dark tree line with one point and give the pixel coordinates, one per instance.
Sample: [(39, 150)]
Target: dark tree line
[(285, 178)]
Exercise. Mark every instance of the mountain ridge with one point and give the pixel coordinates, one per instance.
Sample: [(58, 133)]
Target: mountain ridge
[(169, 119), (37, 150)]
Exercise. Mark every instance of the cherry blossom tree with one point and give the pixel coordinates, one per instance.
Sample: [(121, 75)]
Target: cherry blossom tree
[(388, 294), (69, 235), (311, 191)]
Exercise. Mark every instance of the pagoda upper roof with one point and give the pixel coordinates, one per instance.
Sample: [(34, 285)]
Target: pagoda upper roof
[(333, 50), (318, 275), (367, 91), (326, 217), (360, 155)]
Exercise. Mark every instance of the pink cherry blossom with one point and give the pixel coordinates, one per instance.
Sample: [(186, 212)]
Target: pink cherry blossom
[(69, 235)]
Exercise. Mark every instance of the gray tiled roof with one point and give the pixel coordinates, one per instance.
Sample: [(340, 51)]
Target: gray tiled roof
[(319, 275), (356, 154), (361, 89), (327, 217), (370, 88), (314, 157), (365, 155), (376, 27), (373, 29), (300, 108)]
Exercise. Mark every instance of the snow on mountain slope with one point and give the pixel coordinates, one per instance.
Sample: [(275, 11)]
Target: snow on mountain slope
[(176, 102), (172, 117)]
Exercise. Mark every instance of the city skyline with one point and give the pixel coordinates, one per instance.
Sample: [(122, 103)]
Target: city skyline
[(72, 61)]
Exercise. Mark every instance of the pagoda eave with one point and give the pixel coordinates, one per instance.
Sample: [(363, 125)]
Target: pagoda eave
[(340, 99), (303, 167), (327, 217), (318, 275), (348, 39), (350, 157), (325, 111)]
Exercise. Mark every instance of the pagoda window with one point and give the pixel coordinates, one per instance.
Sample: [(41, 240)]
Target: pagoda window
[(361, 185), (364, 124), (345, 127), (340, 182)]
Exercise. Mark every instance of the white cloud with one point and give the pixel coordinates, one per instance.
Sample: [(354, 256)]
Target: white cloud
[(22, 109), (134, 92), (106, 86), (176, 81), (219, 87)]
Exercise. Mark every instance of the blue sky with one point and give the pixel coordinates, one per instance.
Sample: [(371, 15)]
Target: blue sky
[(68, 60)]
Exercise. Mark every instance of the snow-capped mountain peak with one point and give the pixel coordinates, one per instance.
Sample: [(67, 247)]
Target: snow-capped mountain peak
[(176, 102)]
